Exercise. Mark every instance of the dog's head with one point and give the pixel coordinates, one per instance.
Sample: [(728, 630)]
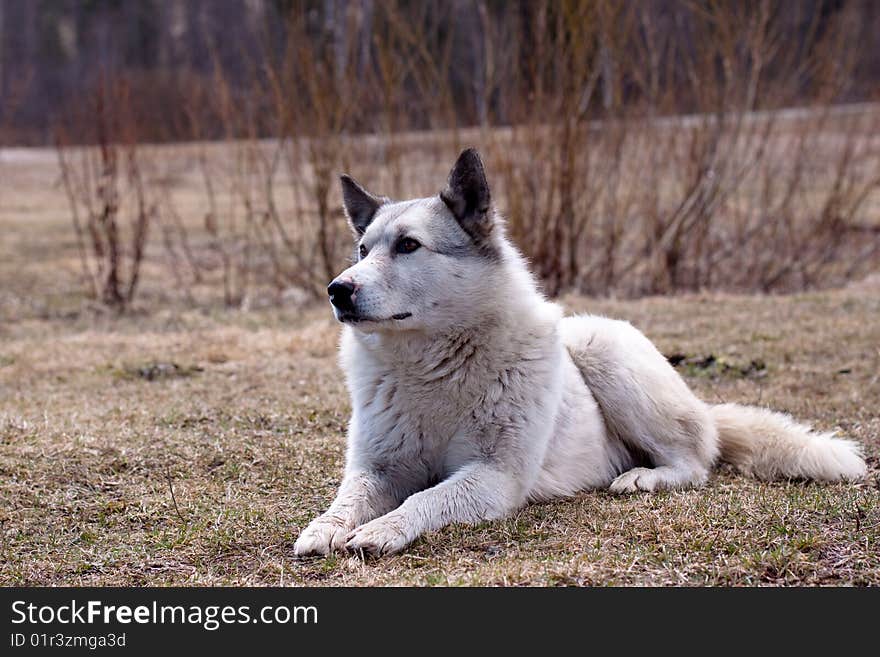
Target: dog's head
[(420, 264)]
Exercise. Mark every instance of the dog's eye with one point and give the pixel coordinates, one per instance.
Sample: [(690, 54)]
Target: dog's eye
[(407, 245), (362, 251)]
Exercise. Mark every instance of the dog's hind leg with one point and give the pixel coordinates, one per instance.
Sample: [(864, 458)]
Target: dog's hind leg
[(680, 475), (680, 447), (645, 404)]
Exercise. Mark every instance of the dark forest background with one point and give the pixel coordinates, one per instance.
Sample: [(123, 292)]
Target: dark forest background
[(482, 59), (634, 147)]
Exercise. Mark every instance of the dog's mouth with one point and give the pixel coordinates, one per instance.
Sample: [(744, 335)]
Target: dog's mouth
[(357, 319)]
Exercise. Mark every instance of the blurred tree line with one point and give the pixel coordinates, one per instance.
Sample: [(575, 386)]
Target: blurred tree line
[(54, 54)]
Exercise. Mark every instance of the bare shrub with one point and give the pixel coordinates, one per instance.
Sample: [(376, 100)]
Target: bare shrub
[(273, 213), (620, 192), (109, 199), (635, 148)]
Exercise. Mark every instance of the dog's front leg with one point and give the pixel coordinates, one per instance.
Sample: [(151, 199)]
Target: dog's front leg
[(479, 491), (362, 496)]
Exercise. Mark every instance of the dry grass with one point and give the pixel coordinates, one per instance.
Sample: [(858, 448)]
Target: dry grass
[(175, 445), (248, 434), (116, 471)]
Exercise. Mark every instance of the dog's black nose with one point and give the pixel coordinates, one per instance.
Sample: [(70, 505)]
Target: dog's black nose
[(340, 294)]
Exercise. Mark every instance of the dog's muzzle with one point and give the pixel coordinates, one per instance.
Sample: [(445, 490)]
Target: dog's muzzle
[(341, 292)]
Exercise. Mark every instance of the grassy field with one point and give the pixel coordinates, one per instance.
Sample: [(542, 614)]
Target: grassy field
[(181, 446)]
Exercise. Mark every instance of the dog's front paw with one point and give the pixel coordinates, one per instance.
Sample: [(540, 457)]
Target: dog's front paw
[(380, 536), (325, 534)]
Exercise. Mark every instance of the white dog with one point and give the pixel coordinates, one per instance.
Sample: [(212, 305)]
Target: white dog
[(473, 396)]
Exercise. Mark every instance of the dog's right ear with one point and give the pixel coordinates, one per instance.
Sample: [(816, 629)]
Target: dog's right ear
[(467, 196), (360, 206)]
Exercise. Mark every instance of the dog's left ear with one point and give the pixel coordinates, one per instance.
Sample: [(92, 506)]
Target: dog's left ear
[(360, 206), (467, 195)]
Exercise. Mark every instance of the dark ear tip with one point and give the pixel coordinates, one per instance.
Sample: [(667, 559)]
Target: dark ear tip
[(468, 164), (349, 185), (470, 154), (469, 161)]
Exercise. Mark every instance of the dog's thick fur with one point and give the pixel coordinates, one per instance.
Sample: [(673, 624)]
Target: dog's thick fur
[(473, 396)]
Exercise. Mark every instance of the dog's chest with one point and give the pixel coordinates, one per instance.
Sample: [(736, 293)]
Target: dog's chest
[(415, 422)]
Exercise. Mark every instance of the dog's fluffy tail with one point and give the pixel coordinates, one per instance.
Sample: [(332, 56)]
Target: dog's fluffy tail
[(770, 445)]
